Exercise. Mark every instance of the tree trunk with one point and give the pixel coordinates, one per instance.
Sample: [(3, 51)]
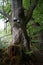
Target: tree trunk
[(20, 40), (18, 30), (19, 33)]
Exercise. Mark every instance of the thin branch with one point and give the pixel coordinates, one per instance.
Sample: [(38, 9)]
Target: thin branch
[(30, 11), (4, 14), (30, 2)]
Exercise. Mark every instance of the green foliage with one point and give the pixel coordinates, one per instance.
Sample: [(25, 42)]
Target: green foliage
[(7, 8), (29, 53), (33, 30), (5, 37), (4, 41), (26, 3)]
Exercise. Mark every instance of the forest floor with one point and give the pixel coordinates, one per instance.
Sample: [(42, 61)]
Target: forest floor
[(26, 60)]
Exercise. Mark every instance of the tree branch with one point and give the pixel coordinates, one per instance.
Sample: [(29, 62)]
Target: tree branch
[(4, 14), (30, 11)]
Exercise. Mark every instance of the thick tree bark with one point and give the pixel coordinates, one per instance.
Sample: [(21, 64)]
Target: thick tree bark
[(17, 28), (19, 25)]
